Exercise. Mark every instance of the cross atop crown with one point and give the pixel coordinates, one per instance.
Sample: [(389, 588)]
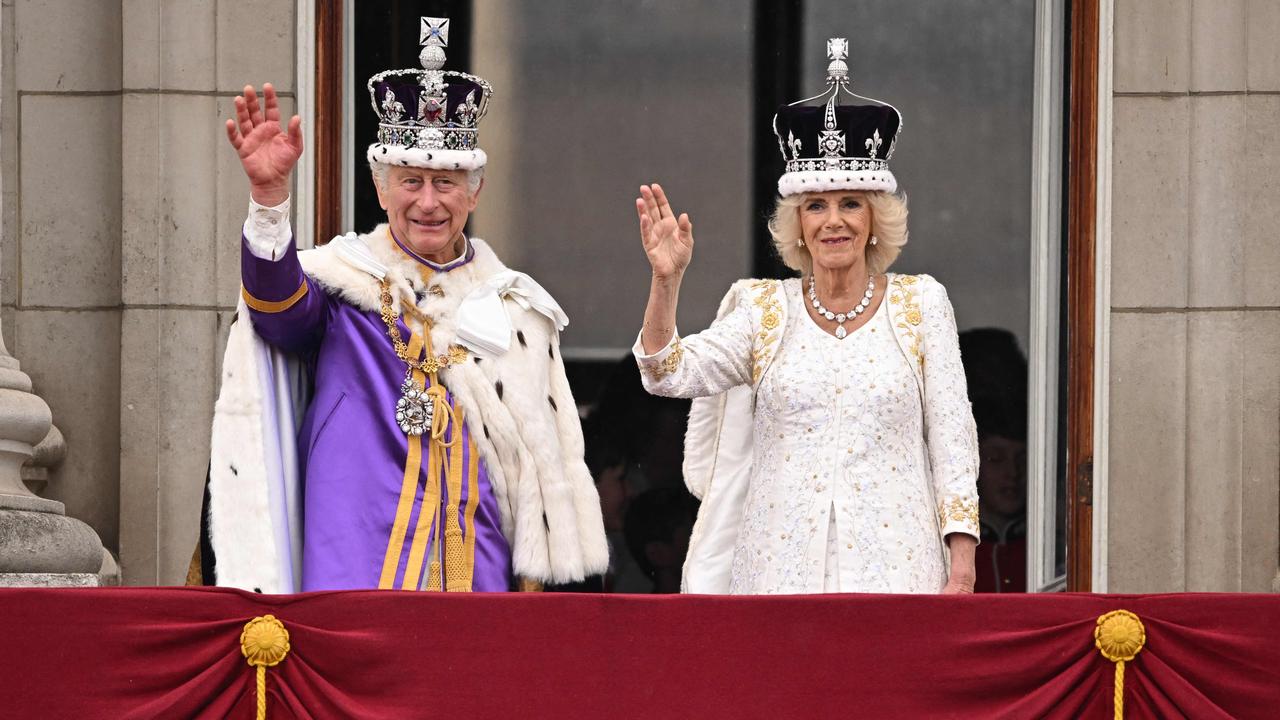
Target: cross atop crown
[(433, 35), (837, 70)]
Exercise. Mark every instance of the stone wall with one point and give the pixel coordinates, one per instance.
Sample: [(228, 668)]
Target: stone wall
[(1194, 437), (60, 282), (120, 269)]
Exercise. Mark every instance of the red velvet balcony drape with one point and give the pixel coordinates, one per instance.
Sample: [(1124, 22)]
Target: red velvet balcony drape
[(175, 653)]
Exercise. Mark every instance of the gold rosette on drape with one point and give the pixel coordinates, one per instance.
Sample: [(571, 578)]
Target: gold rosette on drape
[(1119, 636), (264, 643)]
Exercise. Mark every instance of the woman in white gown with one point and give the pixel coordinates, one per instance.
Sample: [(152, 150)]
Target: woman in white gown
[(834, 447)]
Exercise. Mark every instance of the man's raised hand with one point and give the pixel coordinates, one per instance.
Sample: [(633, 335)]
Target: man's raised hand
[(267, 153)]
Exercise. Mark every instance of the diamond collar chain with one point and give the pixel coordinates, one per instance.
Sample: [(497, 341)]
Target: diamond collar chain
[(431, 364), (842, 318), (420, 409)]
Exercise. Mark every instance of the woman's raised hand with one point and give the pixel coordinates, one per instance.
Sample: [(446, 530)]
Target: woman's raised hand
[(668, 241), (267, 153)]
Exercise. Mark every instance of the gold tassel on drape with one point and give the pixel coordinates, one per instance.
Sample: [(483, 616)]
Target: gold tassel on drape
[(1119, 636), (264, 643)]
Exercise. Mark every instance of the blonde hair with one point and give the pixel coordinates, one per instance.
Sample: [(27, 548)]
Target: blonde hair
[(888, 224)]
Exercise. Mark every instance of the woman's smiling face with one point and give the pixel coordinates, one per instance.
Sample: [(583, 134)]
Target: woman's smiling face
[(836, 226)]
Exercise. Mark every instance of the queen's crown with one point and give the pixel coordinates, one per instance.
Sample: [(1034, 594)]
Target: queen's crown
[(837, 139)]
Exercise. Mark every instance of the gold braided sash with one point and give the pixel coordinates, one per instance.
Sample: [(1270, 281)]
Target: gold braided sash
[(444, 459)]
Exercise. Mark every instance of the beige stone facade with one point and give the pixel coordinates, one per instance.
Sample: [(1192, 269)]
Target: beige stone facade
[(1194, 437), (118, 274), (118, 279)]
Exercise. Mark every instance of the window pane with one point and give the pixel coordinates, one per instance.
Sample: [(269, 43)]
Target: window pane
[(591, 100)]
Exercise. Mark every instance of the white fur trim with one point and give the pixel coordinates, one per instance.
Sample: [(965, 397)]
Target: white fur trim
[(794, 183), (240, 520), (399, 155)]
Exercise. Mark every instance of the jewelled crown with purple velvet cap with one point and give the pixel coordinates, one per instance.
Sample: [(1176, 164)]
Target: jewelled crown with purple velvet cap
[(829, 146), (429, 117)]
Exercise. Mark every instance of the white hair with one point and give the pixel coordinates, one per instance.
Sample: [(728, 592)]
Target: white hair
[(888, 224), (382, 172)]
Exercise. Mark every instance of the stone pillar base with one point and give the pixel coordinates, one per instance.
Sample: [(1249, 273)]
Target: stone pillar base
[(45, 580), (33, 543)]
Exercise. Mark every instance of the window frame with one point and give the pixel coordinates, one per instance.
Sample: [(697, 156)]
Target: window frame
[(1065, 210)]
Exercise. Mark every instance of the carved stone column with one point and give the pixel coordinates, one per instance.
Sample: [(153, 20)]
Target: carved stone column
[(39, 544)]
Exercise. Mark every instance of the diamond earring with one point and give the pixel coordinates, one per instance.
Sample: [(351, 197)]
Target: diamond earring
[(874, 240), (799, 242)]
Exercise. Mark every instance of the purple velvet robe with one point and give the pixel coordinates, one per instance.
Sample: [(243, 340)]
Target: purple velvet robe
[(351, 451)]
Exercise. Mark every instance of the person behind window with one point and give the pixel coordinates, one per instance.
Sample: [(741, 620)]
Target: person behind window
[(997, 377), (832, 444), (627, 463), (1001, 559), (441, 449)]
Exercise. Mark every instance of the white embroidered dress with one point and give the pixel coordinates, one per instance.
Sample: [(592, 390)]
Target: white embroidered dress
[(859, 465)]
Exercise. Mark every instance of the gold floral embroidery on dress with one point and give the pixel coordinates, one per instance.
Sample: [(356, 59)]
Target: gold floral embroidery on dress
[(959, 509), (669, 364), (764, 293), (905, 299)]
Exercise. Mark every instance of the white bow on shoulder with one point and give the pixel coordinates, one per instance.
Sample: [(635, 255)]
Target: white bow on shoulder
[(483, 324)]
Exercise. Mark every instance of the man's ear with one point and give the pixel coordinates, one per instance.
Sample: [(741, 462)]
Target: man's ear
[(475, 196), (377, 186)]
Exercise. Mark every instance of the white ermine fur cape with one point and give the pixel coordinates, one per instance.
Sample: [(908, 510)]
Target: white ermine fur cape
[(522, 416)]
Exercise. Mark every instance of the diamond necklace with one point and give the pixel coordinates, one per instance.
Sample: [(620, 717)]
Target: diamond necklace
[(842, 318)]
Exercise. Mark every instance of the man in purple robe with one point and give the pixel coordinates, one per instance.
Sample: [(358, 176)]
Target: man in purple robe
[(394, 411)]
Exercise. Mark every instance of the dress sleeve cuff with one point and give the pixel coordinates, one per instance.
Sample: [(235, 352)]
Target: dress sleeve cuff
[(662, 363), (958, 514), (267, 230)]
